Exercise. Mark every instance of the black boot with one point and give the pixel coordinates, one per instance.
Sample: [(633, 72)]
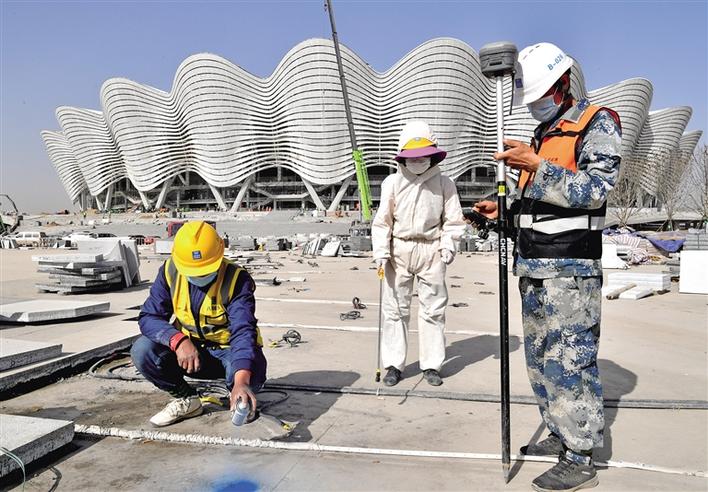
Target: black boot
[(550, 446), (566, 476), (392, 377), (432, 377)]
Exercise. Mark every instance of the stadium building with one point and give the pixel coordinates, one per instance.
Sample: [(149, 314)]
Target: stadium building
[(224, 138)]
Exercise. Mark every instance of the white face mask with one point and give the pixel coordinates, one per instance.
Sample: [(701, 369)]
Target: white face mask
[(545, 108), (418, 165), (202, 281)]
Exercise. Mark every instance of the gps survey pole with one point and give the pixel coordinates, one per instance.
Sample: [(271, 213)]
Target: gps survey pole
[(497, 60)]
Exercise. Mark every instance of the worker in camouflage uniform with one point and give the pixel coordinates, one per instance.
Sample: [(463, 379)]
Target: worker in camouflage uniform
[(566, 173)]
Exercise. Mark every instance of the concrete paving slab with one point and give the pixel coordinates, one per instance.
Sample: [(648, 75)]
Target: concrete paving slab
[(49, 309), (69, 258), (17, 353), (74, 289), (30, 438), (83, 340), (73, 281)]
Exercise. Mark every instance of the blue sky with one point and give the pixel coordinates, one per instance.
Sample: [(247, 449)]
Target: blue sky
[(59, 53)]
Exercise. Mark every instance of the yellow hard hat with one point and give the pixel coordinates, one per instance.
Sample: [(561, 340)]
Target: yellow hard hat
[(197, 250)]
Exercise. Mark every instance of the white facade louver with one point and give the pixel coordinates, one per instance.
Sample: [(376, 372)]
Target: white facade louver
[(226, 125)]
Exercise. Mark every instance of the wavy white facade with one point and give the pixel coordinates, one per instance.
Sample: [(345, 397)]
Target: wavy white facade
[(228, 126), (64, 160)]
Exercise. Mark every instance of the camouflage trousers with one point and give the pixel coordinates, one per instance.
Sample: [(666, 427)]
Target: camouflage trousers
[(561, 320)]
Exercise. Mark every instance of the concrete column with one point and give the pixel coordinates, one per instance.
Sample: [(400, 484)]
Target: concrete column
[(340, 194), (98, 203), (166, 186), (145, 200), (241, 193), (217, 196), (313, 194), (109, 198)]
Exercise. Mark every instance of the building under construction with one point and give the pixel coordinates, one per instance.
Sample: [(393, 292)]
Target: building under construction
[(224, 138)]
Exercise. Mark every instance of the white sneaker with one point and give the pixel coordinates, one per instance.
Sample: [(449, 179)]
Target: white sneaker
[(176, 410)]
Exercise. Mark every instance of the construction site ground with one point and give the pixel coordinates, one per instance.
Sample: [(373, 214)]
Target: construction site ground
[(653, 348)]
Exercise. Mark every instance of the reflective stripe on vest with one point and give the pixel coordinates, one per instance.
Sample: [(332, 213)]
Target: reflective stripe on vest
[(213, 322)]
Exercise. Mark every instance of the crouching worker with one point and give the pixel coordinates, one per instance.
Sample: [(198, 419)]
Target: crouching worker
[(414, 233), (214, 333)]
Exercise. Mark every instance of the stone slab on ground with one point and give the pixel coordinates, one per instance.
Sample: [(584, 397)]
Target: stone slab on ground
[(74, 281), (69, 258), (636, 293), (30, 438), (49, 310), (73, 289), (18, 353), (655, 281)]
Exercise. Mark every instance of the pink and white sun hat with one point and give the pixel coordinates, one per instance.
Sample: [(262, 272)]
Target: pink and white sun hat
[(417, 140)]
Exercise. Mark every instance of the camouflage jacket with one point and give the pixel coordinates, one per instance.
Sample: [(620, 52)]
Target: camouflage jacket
[(598, 168)]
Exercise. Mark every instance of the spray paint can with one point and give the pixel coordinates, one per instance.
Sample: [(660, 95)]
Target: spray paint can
[(241, 412)]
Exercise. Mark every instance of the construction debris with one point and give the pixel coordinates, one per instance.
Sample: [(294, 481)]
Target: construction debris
[(357, 304), (163, 246), (49, 310), (350, 315), (610, 260), (277, 244), (332, 249), (696, 240)]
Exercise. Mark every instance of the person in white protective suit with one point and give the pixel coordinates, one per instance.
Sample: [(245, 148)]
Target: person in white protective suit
[(414, 234)]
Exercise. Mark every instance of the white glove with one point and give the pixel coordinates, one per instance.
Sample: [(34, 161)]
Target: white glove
[(381, 263), (447, 256)]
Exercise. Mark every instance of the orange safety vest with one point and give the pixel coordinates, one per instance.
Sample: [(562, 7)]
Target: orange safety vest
[(559, 145), (552, 231)]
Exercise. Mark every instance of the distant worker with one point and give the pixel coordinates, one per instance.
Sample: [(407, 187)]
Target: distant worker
[(414, 234), (214, 334), (572, 164)]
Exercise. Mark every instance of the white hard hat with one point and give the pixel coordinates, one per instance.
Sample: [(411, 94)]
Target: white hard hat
[(417, 140), (539, 67)]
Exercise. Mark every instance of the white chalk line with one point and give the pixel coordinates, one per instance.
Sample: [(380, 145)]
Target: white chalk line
[(311, 301), (95, 430), (360, 328)]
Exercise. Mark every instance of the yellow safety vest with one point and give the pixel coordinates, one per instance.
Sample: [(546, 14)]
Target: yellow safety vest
[(213, 323)]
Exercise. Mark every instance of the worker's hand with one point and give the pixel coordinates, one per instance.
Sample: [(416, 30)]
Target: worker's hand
[(519, 156), (242, 391), (188, 356), (487, 208), (447, 256)]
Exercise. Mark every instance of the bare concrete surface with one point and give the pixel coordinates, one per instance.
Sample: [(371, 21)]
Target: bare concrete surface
[(49, 310), (17, 353), (653, 348), (30, 438)]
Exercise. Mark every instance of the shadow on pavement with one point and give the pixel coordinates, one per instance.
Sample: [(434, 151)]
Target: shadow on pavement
[(306, 407)]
